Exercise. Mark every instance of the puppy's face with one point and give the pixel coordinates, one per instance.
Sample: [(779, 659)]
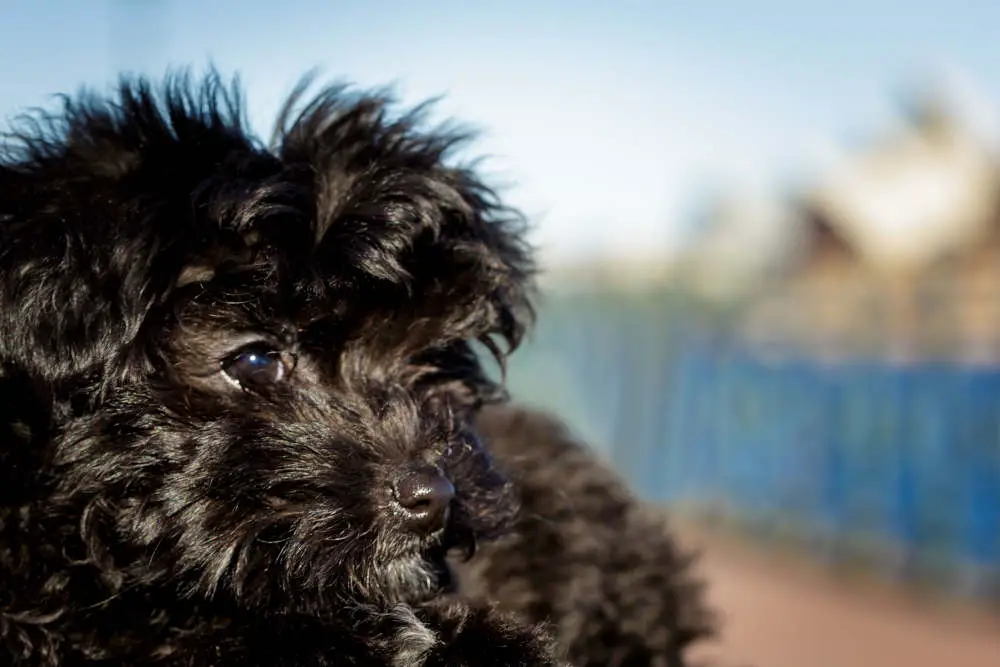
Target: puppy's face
[(276, 453), (260, 361)]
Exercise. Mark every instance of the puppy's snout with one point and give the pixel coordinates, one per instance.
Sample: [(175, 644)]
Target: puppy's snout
[(423, 496)]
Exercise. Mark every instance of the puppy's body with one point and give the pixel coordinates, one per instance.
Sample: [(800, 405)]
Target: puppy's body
[(239, 396), (584, 554)]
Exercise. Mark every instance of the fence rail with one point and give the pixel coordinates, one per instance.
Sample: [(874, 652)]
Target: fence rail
[(904, 459)]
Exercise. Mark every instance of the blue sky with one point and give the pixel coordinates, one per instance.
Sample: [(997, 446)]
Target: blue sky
[(608, 117)]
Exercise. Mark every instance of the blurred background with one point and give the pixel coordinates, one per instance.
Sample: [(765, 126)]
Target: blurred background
[(771, 240)]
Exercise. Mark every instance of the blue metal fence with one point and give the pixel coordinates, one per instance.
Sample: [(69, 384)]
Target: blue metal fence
[(906, 456)]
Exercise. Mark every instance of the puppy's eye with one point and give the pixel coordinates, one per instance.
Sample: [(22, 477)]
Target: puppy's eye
[(256, 367)]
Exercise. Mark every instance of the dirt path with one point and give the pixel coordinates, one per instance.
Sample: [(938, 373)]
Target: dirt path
[(781, 613)]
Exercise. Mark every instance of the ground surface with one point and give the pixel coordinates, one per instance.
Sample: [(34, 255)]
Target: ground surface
[(782, 612)]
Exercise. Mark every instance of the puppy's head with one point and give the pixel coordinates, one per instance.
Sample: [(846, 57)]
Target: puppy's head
[(259, 360)]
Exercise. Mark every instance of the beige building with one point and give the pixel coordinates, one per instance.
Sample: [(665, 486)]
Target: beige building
[(897, 254)]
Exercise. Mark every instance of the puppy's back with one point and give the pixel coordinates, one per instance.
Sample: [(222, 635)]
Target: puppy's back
[(587, 555)]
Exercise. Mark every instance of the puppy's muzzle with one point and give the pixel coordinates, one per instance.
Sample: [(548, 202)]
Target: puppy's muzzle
[(423, 496)]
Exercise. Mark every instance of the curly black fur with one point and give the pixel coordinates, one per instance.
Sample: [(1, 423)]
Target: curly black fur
[(585, 554), (155, 511)]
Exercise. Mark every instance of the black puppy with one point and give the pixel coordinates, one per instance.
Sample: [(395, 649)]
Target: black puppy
[(237, 384), (239, 401)]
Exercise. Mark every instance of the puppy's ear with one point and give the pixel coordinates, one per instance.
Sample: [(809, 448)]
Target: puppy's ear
[(439, 259), (92, 199), (68, 300)]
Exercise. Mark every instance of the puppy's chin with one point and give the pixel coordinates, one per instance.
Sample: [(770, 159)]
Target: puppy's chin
[(456, 543), (416, 579), (422, 576)]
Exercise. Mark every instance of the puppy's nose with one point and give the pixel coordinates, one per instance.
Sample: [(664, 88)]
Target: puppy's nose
[(424, 496)]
